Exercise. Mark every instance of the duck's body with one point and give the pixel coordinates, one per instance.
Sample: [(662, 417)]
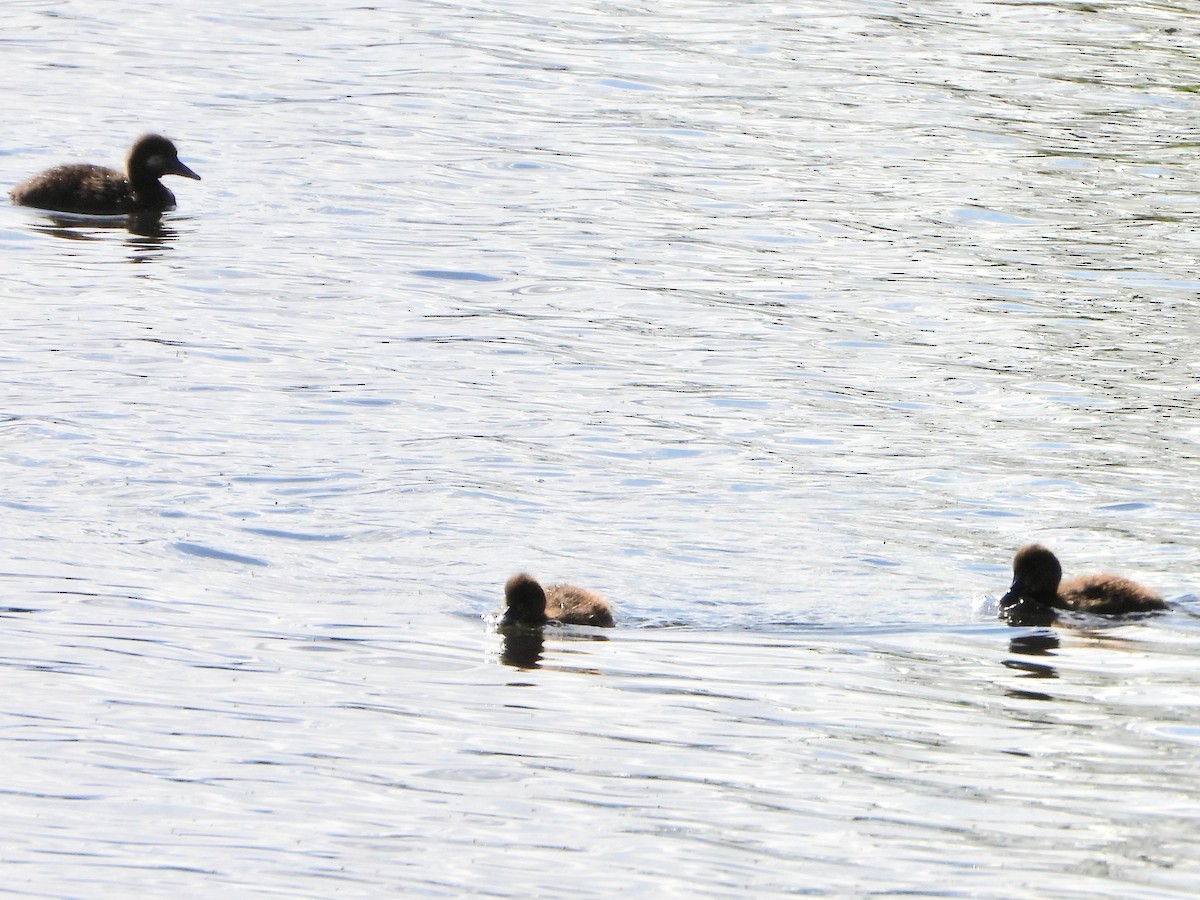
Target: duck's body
[(1038, 589), (93, 190), (526, 602)]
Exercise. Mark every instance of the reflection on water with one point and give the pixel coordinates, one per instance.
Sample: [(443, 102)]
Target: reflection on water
[(148, 238), (1037, 645), (524, 648)]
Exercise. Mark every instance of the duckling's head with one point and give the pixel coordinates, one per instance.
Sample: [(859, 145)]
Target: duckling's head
[(1037, 571), (154, 156), (1036, 575), (524, 600)]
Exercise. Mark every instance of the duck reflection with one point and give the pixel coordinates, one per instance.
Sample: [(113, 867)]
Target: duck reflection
[(148, 237), (1037, 644), (1041, 644), (523, 647)]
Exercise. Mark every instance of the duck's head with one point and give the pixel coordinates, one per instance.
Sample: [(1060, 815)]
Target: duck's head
[(1036, 575), (524, 600), (155, 156)]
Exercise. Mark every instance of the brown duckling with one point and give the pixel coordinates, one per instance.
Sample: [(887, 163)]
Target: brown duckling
[(98, 191), (1038, 589), (527, 603)]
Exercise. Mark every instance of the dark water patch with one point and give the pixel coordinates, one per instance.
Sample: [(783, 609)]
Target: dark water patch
[(296, 535), (213, 553), (452, 275)]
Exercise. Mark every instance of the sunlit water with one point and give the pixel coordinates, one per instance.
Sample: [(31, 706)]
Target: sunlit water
[(781, 324)]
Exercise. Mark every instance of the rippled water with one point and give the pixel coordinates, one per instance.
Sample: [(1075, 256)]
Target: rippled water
[(781, 324)]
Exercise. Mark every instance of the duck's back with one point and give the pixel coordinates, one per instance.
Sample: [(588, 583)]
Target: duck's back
[(1108, 595), (577, 606), (77, 188)]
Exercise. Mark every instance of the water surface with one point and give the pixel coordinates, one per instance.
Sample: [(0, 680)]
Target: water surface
[(782, 325)]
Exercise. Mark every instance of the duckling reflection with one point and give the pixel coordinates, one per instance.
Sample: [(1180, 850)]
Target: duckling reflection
[(145, 230), (92, 190), (1038, 591), (522, 649), (1036, 644)]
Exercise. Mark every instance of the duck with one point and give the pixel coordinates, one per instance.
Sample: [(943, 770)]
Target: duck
[(93, 190), (1038, 590), (526, 602)]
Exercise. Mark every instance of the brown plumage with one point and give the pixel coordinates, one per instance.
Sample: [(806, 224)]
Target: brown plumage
[(527, 603), (1038, 589), (98, 191)]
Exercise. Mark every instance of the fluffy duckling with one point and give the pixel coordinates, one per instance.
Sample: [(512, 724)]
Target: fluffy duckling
[(98, 191), (527, 603), (1038, 589)]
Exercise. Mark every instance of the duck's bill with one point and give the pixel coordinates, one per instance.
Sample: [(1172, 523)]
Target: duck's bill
[(178, 168), (1012, 597)]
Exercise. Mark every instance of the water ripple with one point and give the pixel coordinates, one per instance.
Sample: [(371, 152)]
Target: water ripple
[(782, 326)]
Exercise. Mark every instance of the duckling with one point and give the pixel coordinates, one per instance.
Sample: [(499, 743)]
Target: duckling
[(98, 191), (527, 603), (1036, 591)]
